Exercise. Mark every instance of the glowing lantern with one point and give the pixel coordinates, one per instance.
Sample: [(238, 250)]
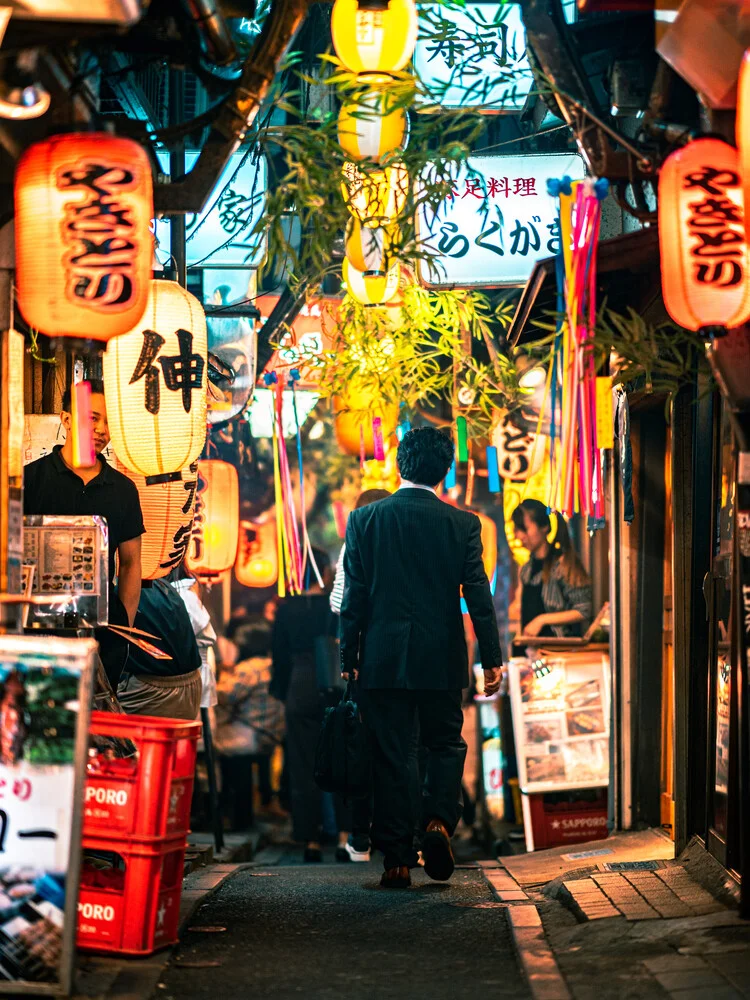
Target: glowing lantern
[(213, 544), (520, 452), (537, 487), (167, 510), (374, 36), (155, 384), (353, 422), (705, 264), (84, 202), (489, 546), (368, 129), (743, 130), (257, 556), (371, 291), (376, 198), (368, 250)]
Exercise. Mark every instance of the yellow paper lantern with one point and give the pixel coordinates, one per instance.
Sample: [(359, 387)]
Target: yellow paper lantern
[(371, 291), (520, 452), (368, 250), (376, 198), (155, 384), (213, 543), (84, 250), (354, 416), (257, 562), (537, 487), (167, 510), (369, 130), (374, 36)]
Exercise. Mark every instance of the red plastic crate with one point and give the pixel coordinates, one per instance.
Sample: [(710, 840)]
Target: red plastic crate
[(141, 913), (560, 823), (148, 797)]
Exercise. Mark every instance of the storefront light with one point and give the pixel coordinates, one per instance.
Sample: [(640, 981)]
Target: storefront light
[(374, 36)]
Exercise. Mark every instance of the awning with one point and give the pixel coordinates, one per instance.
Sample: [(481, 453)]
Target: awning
[(627, 275)]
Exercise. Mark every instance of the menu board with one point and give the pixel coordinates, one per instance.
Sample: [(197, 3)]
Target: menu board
[(45, 696), (561, 721)]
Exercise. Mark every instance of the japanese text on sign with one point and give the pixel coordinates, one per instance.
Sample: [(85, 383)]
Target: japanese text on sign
[(182, 372), (497, 222), (717, 227)]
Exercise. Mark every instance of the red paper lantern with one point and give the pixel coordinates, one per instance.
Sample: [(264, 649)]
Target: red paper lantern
[(84, 250), (257, 558), (705, 264), (213, 544)]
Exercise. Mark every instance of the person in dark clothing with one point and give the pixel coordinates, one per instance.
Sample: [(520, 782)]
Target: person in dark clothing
[(52, 486), (170, 689), (300, 620), (408, 558)]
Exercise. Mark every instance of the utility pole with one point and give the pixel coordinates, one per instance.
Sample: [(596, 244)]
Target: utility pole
[(177, 172)]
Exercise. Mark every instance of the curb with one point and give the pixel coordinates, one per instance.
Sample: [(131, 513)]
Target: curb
[(535, 956)]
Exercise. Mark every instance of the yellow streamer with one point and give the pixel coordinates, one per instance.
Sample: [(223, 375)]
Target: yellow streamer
[(279, 515)]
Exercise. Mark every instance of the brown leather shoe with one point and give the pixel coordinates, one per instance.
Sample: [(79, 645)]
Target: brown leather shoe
[(396, 878), (436, 851)]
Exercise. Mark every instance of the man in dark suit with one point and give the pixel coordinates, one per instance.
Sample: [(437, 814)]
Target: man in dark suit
[(408, 558)]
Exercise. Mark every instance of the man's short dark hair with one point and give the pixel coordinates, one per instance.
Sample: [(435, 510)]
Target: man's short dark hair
[(424, 456), (97, 387), (253, 638)]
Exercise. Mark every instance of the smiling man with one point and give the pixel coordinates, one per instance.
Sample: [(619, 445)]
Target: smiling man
[(52, 486)]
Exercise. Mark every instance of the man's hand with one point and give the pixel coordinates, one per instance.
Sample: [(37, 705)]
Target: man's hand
[(347, 676), (535, 626), (492, 680)]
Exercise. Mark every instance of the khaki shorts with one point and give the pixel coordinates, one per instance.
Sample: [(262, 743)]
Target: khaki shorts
[(167, 697)]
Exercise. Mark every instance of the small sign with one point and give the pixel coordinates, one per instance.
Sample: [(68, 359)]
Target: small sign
[(605, 419), (497, 223), (632, 866), (220, 235), (582, 855)]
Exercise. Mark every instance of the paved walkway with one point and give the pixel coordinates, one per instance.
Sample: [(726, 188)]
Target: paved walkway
[(280, 930)]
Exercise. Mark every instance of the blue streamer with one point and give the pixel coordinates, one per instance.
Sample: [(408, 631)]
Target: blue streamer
[(493, 470), (450, 479)]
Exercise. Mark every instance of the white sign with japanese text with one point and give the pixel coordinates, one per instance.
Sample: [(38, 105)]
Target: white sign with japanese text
[(220, 235), (474, 56), (498, 222)]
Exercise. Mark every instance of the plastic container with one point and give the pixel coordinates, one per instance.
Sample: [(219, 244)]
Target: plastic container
[(555, 824), (147, 797), (134, 911)]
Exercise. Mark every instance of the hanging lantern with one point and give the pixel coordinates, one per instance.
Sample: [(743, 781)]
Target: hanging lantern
[(167, 510), (227, 402), (213, 543), (705, 264), (368, 250), (155, 384), (374, 36), (376, 198), (520, 452), (371, 291), (354, 421), (84, 203), (257, 555), (369, 130)]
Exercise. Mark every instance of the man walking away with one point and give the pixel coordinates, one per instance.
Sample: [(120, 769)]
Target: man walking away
[(408, 558)]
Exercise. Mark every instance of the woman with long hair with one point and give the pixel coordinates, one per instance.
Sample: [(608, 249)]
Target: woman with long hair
[(556, 589)]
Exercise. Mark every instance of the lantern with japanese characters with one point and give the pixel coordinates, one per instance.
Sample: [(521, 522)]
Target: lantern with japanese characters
[(155, 384), (371, 290), (705, 264), (520, 451), (167, 510), (257, 562), (376, 197), (213, 543), (83, 205), (372, 128), (374, 36)]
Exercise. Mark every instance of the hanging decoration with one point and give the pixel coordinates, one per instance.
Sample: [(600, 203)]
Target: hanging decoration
[(705, 263), (519, 452), (354, 422), (155, 384), (83, 206), (212, 549), (376, 197), (257, 562), (225, 402), (370, 129), (374, 36), (368, 250), (371, 291), (577, 484), (167, 510), (81, 429)]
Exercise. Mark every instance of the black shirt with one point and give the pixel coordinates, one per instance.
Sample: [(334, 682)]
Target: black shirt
[(300, 619), (532, 603), (162, 612), (50, 487)]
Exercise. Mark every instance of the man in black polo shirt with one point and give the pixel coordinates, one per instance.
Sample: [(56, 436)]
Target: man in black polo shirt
[(53, 486)]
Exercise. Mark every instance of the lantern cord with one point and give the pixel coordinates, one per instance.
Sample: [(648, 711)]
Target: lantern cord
[(306, 548)]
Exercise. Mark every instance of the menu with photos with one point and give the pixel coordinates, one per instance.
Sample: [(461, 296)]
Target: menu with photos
[(561, 721)]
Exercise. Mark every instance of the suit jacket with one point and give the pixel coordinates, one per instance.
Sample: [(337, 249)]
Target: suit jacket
[(407, 558)]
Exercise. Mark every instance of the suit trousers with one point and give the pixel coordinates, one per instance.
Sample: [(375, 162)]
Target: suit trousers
[(389, 715)]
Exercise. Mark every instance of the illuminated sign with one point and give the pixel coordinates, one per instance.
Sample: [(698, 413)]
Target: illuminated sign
[(474, 56), (498, 222), (221, 235)]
